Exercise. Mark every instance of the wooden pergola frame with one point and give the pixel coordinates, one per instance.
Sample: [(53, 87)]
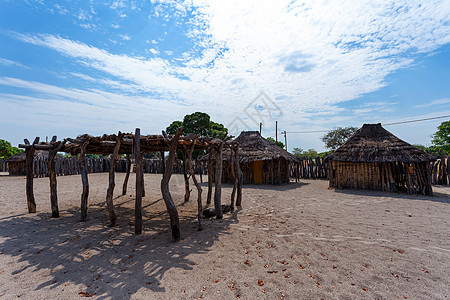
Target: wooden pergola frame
[(137, 145)]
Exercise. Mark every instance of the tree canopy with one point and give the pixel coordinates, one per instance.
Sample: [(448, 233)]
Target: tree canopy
[(6, 150), (441, 139), (200, 124), (279, 144), (337, 137)]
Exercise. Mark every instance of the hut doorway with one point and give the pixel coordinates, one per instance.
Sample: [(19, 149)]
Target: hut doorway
[(258, 171)]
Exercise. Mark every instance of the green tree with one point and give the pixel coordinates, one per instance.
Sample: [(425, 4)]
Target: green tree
[(302, 153), (6, 150), (337, 137), (441, 139), (200, 124), (279, 144)]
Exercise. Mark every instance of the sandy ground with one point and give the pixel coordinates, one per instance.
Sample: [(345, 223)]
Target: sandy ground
[(300, 241)]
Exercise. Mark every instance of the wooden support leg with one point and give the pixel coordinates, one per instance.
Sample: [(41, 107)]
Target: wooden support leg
[(30, 174), (127, 176), (240, 176), (85, 182), (55, 147), (199, 189), (187, 193), (139, 183), (218, 183), (210, 170), (110, 191), (171, 208)]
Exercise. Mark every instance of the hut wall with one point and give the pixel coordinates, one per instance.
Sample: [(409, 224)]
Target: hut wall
[(17, 168), (3, 166), (413, 178)]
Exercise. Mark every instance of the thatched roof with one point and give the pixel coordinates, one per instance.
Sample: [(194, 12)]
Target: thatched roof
[(22, 156), (372, 143), (253, 147)]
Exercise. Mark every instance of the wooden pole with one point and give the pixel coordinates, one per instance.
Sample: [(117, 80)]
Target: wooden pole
[(171, 208), (142, 174), (210, 171), (85, 182), (29, 167), (218, 183), (199, 189), (279, 171), (110, 191), (187, 192), (127, 176), (55, 147), (240, 177), (139, 183), (233, 175), (163, 161)]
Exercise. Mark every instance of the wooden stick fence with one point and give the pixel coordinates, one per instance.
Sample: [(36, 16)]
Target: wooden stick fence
[(3, 166), (309, 168)]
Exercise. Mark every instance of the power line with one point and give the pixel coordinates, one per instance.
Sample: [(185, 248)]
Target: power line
[(388, 124)]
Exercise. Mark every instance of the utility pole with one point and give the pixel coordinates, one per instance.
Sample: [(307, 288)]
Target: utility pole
[(285, 139), (276, 131), (260, 127)]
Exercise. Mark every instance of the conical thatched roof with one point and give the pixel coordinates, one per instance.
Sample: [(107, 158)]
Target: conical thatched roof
[(253, 147), (22, 156), (372, 143)]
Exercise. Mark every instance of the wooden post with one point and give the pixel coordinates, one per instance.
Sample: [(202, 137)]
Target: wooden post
[(218, 183), (110, 191), (279, 171), (139, 182), (84, 181), (233, 175), (210, 170), (199, 189), (142, 177), (187, 192), (163, 161), (127, 176), (54, 148), (30, 173), (240, 177), (171, 208)]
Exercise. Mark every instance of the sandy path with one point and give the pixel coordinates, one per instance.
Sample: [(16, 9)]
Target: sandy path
[(300, 241)]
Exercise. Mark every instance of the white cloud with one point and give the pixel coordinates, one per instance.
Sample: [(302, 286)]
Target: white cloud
[(115, 26), (124, 37), (154, 51), (7, 62), (436, 102)]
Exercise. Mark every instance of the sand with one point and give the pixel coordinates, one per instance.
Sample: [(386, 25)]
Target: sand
[(300, 241)]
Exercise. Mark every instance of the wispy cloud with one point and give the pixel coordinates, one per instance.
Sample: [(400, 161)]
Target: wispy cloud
[(7, 62), (436, 102)]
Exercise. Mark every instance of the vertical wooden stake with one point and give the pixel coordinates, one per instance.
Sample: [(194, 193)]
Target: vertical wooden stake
[(110, 191), (163, 160), (127, 176), (233, 175), (210, 176), (199, 189), (240, 177), (186, 178), (30, 174), (139, 183), (54, 148), (218, 183), (142, 175), (171, 208), (85, 182)]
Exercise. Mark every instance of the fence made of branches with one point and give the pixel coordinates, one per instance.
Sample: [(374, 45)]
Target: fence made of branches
[(309, 168)]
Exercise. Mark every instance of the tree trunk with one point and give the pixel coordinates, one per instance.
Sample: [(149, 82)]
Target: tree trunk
[(233, 175), (52, 176), (110, 191), (210, 171), (30, 174), (171, 208), (240, 176)]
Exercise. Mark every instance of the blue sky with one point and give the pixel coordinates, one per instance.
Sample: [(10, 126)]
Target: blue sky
[(74, 67)]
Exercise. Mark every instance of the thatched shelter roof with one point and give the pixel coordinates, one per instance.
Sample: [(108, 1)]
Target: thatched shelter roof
[(372, 143), (22, 156), (253, 147)]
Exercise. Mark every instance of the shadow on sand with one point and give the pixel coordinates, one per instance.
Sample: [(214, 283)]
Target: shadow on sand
[(107, 262)]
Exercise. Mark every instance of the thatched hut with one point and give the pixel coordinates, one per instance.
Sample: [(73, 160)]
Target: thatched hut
[(261, 161), (375, 159), (16, 163)]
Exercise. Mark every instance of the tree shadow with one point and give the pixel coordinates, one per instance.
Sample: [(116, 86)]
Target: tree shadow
[(284, 187), (107, 262)]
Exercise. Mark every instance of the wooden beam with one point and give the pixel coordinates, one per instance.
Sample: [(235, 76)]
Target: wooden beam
[(29, 167), (171, 208), (218, 183), (199, 189), (85, 182), (127, 176), (139, 182), (55, 147), (110, 191)]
